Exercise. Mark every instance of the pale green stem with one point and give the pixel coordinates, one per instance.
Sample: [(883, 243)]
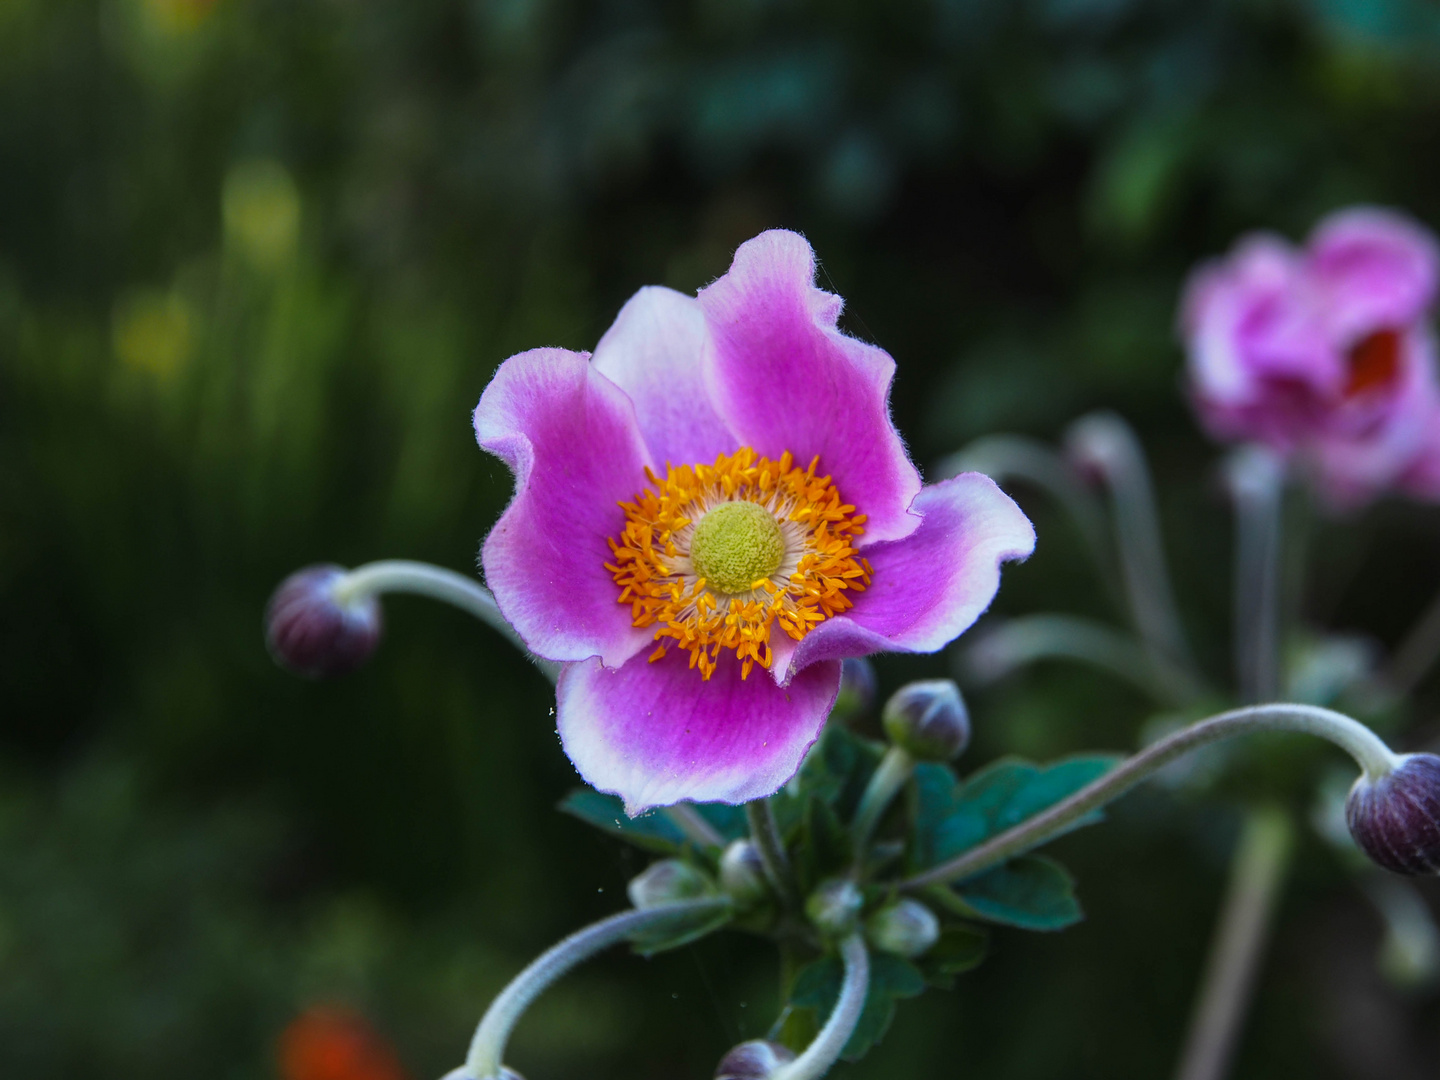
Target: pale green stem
[(696, 829), (1417, 653), (487, 1048), (1369, 751), (1106, 443), (828, 1045), (1256, 478), (765, 832), (1257, 874), (895, 768), (423, 579), (1007, 645)]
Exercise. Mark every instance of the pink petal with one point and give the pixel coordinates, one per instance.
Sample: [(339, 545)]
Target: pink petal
[(930, 587), (787, 379), (570, 437), (1376, 268), (656, 351), (657, 734)]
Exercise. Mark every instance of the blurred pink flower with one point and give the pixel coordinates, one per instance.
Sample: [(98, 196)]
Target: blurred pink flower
[(710, 514), (1325, 354)]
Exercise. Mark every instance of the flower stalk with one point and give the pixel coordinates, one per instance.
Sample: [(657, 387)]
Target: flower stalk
[(765, 832), (487, 1048), (827, 1046), (895, 768), (1375, 759), (437, 583)]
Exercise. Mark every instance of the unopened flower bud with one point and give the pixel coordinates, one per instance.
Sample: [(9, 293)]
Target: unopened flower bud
[(906, 928), (858, 684), (667, 882), (1396, 819), (834, 907), (311, 632), (742, 873), (928, 720), (757, 1059)]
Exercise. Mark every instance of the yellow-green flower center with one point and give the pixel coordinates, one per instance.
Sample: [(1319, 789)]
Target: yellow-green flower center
[(736, 545)]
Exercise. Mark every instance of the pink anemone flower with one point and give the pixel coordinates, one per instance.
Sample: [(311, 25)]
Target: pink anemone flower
[(1324, 354), (710, 514)]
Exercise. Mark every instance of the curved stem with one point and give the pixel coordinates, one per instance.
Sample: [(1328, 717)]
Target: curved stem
[(1256, 479), (1010, 644), (765, 831), (888, 778), (487, 1048), (1016, 457), (1256, 877), (423, 579), (1106, 443), (827, 1046), (1369, 751)]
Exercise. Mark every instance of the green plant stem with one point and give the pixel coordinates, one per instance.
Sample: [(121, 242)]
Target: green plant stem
[(487, 1048), (1016, 642), (827, 1046), (437, 583), (1370, 753), (1256, 478), (765, 832), (1106, 443), (895, 768), (1257, 875)]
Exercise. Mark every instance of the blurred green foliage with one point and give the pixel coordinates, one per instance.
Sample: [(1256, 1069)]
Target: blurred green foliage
[(258, 258)]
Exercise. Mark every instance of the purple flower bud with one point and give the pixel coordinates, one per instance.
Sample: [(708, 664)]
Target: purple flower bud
[(1396, 818), (857, 688), (835, 906), (929, 720), (753, 1060), (666, 882), (742, 873), (906, 928), (312, 633)]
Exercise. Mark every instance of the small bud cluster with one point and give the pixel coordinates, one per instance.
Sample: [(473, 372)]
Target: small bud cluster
[(310, 632), (742, 873), (834, 907), (929, 720), (668, 881), (1396, 818), (904, 927)]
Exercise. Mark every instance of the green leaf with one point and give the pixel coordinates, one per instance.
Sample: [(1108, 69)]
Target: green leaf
[(955, 818), (817, 988), (1031, 892), (680, 930), (653, 831), (824, 847), (728, 821), (960, 949), (838, 767)]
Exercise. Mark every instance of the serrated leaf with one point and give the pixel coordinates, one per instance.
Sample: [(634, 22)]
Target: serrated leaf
[(959, 949), (992, 800), (817, 988), (653, 831), (680, 930), (1031, 892)]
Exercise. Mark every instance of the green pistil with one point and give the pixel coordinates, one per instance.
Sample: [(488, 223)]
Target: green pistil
[(735, 545)]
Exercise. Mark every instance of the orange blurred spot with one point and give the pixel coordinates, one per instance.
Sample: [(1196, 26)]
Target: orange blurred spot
[(332, 1043), (1374, 362)]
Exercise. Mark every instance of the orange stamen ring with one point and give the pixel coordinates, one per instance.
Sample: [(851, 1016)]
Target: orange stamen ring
[(818, 566)]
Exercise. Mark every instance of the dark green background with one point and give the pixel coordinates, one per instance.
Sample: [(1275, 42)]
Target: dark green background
[(194, 846)]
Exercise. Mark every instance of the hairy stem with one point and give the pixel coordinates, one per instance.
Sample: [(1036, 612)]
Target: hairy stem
[(423, 579), (487, 1048), (1257, 874), (1256, 479), (1370, 753), (888, 778), (827, 1046), (765, 832)]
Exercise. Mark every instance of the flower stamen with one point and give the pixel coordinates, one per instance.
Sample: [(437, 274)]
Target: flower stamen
[(717, 556)]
